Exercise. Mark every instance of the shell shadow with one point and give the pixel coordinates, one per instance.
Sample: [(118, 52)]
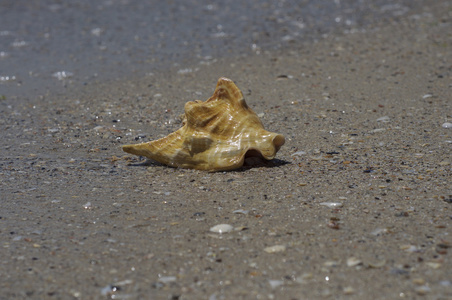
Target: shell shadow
[(274, 163), (146, 163)]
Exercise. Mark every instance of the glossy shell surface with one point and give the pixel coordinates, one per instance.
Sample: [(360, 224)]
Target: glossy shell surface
[(216, 135)]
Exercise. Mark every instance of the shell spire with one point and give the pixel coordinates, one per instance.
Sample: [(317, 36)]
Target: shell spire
[(216, 135)]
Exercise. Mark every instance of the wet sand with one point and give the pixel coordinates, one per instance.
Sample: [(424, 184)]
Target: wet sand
[(357, 204)]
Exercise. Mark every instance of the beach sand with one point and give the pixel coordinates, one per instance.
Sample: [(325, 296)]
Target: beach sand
[(356, 205)]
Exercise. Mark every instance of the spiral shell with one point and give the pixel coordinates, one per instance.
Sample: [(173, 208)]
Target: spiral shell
[(216, 135)]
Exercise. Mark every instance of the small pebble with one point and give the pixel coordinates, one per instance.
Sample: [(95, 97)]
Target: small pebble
[(378, 264), (221, 228), (348, 290), (87, 205), (276, 248), (447, 125)]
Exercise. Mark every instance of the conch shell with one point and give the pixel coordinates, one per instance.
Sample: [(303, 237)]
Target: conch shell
[(216, 135)]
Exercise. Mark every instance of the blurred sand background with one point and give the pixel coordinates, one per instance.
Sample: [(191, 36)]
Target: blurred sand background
[(357, 204)]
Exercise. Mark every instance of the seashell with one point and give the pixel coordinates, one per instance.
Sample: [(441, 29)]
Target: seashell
[(217, 135)]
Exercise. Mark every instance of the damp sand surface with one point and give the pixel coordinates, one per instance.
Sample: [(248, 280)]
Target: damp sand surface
[(357, 204)]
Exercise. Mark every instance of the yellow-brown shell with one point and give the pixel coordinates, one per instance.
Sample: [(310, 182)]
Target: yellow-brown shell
[(216, 135)]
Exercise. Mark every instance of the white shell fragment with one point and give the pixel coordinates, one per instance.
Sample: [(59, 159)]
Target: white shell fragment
[(61, 75), (332, 204), (380, 231), (384, 119), (276, 248), (87, 205), (221, 228), (447, 125), (353, 261), (377, 130), (241, 211), (167, 279), (298, 153)]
